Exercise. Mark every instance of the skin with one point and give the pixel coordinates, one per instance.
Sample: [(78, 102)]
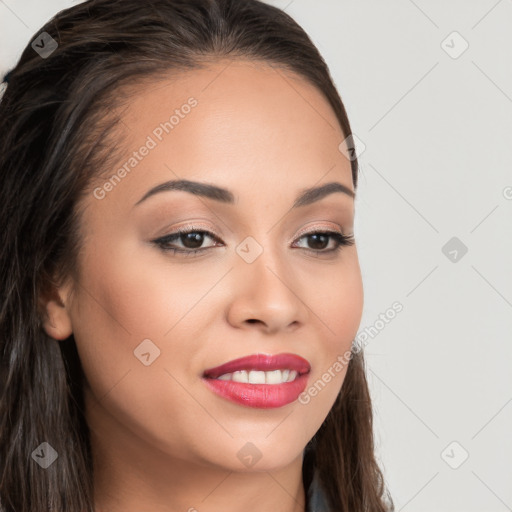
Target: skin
[(161, 440)]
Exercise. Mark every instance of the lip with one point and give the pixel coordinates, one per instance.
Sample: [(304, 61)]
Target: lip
[(262, 362), (263, 396)]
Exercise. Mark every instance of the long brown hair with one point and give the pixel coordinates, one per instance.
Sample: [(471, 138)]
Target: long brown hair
[(56, 131)]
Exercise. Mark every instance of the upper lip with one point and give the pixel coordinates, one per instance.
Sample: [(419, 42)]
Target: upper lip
[(262, 362)]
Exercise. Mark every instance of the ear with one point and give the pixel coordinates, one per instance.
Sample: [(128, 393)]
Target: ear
[(56, 319)]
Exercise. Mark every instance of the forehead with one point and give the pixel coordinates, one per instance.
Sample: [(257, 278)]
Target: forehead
[(233, 80), (246, 123)]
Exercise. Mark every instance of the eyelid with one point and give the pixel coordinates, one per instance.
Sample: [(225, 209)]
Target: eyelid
[(315, 227), (198, 227), (190, 227)]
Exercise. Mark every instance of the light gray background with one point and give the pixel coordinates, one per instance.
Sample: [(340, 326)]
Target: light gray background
[(436, 163)]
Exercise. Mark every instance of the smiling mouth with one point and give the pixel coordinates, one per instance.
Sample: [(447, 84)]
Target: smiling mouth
[(260, 380), (261, 369), (261, 377)]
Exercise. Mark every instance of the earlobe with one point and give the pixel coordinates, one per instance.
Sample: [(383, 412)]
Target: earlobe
[(56, 320)]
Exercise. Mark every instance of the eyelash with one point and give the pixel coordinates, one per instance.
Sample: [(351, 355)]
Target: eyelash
[(341, 240)]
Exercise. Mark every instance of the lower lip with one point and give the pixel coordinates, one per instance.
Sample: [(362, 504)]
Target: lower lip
[(263, 396)]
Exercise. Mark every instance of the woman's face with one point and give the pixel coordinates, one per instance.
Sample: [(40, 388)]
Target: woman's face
[(148, 321)]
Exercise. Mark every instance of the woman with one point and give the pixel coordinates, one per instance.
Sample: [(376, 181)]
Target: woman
[(180, 283)]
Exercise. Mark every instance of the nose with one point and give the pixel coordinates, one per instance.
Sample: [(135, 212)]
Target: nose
[(266, 295)]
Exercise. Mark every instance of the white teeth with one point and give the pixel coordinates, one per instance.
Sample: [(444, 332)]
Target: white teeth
[(274, 377), (240, 376), (256, 377), (292, 376), (260, 377)]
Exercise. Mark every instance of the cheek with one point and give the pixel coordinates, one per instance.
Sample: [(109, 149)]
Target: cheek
[(338, 311), (335, 299), (128, 297), (119, 306), (135, 297)]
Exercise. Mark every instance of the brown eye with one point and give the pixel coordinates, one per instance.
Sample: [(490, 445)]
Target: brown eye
[(318, 241), (191, 240)]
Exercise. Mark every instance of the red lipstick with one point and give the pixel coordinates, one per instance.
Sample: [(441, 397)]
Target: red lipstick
[(260, 395)]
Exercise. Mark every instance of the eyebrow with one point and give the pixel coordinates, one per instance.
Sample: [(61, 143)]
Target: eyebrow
[(307, 196)]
